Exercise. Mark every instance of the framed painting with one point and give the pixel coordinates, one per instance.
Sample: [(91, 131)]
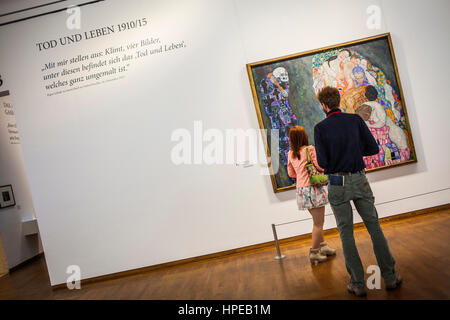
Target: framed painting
[(284, 92), (7, 197)]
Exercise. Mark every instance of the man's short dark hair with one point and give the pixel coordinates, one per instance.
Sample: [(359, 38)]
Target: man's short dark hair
[(330, 97), (371, 93)]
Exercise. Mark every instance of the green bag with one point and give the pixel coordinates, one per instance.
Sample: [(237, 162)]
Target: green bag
[(316, 177)]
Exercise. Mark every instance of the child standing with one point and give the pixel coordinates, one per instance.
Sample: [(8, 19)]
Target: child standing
[(309, 197)]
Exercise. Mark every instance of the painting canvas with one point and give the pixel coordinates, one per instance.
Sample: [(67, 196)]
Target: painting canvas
[(284, 91)]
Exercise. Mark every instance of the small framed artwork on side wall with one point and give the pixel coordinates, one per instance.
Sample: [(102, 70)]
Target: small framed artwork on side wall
[(7, 197)]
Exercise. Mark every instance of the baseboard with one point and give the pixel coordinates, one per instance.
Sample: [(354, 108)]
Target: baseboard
[(246, 248)]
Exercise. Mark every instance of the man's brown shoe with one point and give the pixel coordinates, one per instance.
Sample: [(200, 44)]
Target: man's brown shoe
[(394, 283), (357, 291)]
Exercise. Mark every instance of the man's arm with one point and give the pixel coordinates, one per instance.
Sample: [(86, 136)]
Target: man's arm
[(322, 157), (313, 153), (369, 145)]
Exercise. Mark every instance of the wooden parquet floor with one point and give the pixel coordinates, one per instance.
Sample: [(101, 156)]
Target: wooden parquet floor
[(419, 244)]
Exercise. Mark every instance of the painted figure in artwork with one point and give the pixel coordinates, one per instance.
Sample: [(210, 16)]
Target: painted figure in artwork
[(390, 137), (333, 69), (365, 90), (370, 73), (360, 77), (353, 98), (349, 71), (275, 92)]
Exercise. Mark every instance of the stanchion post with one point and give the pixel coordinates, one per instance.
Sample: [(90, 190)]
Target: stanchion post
[(277, 245)]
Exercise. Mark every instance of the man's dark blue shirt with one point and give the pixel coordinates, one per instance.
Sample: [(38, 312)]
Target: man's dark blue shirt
[(342, 139)]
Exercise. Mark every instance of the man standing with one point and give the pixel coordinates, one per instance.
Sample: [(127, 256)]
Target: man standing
[(342, 139)]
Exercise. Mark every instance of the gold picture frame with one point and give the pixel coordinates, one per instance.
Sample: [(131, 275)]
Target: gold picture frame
[(383, 70)]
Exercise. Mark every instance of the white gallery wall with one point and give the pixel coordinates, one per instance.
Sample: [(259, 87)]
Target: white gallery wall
[(18, 246), (107, 195)]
